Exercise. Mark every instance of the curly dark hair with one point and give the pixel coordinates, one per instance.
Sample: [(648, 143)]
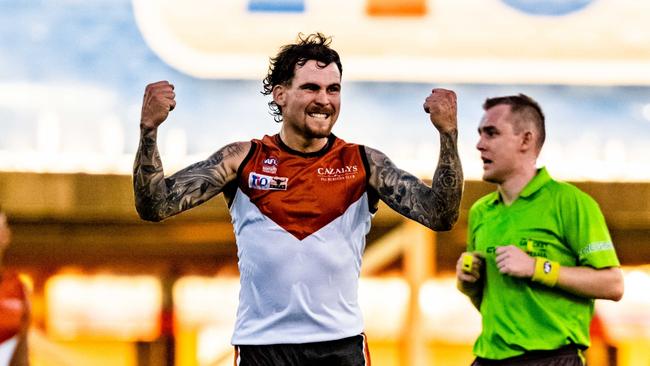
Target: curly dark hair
[(282, 67), (527, 109)]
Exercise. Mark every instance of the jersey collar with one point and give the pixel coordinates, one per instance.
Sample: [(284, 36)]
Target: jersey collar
[(330, 141), (539, 180)]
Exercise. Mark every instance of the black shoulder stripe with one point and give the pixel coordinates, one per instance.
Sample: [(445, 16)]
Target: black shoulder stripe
[(373, 197), (248, 157), (364, 159)]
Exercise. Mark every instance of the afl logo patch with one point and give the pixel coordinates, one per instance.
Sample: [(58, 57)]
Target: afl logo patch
[(266, 182), (270, 165)]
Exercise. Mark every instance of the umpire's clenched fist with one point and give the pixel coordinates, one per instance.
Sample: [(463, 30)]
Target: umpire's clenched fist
[(157, 103)]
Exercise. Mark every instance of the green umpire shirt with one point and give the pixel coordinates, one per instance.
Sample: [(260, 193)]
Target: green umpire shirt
[(549, 219)]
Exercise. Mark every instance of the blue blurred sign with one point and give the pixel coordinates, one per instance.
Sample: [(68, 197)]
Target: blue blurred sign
[(277, 6), (548, 7)]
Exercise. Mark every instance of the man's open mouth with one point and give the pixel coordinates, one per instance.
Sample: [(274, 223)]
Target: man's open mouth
[(319, 115)]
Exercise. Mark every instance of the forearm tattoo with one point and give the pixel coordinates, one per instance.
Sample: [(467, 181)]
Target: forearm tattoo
[(157, 197), (436, 207)]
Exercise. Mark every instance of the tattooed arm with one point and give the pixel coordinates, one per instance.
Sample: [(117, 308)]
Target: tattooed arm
[(437, 206), (157, 197)]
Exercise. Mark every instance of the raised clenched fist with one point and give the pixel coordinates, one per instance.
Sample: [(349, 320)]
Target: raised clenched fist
[(441, 106), (157, 103)]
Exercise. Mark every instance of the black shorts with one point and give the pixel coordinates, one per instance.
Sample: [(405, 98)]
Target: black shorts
[(566, 356), (352, 351)]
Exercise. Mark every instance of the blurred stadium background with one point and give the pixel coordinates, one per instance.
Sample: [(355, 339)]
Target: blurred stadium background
[(109, 289)]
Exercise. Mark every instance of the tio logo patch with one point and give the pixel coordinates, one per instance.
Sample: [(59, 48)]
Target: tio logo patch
[(266, 182)]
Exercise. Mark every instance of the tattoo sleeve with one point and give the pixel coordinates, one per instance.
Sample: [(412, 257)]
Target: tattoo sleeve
[(158, 197), (436, 207)]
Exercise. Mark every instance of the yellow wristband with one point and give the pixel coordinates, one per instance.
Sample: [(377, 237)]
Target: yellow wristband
[(529, 246), (468, 262), (546, 271)]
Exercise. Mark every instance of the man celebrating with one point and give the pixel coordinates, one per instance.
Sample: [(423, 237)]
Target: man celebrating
[(301, 203), (538, 250)]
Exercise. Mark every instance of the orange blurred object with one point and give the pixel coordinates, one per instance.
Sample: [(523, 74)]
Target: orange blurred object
[(396, 7)]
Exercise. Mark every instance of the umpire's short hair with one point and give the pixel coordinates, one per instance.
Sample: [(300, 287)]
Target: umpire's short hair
[(526, 110)]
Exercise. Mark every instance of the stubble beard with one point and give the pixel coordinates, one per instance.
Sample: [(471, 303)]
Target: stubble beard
[(317, 131), (311, 134)]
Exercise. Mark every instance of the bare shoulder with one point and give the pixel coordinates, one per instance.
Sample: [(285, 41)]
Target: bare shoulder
[(373, 153), (390, 182), (381, 168), (376, 159), (233, 154)]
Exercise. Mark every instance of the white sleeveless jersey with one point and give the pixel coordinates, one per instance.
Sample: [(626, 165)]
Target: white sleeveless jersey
[(300, 222)]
